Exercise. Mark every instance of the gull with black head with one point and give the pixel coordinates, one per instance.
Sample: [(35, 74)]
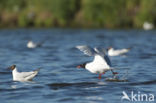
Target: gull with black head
[(101, 62), (22, 76)]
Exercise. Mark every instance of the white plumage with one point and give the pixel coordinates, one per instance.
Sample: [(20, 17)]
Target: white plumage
[(112, 52), (31, 44), (101, 62), (98, 65), (148, 26), (23, 76)]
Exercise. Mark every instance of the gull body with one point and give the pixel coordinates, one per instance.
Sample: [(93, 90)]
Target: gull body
[(98, 65), (113, 52), (23, 76), (31, 44), (101, 62), (148, 26)]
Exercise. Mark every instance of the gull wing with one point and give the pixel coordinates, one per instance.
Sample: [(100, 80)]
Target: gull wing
[(87, 50), (26, 74), (100, 51), (29, 74), (108, 60)]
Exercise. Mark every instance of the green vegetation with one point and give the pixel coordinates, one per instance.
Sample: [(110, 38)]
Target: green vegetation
[(77, 13)]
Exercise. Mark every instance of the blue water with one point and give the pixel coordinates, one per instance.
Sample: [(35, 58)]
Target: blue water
[(59, 80)]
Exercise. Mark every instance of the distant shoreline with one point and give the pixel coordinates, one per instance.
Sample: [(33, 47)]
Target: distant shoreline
[(110, 14)]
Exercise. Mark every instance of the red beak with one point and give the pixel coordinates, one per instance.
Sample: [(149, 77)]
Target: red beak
[(78, 66)]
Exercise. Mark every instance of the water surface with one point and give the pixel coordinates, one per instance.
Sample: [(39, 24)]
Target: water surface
[(59, 80)]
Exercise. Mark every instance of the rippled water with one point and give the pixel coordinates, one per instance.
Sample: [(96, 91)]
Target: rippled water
[(59, 80)]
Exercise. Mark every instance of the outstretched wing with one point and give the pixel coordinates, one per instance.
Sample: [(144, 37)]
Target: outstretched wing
[(108, 60), (86, 50), (100, 51)]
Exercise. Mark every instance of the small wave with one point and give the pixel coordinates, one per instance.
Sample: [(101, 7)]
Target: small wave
[(147, 56), (4, 72), (63, 85), (144, 83)]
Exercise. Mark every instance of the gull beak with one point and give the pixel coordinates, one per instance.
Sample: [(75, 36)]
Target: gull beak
[(78, 66)]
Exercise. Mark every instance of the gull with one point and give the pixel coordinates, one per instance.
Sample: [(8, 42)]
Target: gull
[(112, 52), (101, 62), (148, 26), (22, 76), (31, 44)]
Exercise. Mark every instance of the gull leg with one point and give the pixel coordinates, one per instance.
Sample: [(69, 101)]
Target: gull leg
[(100, 76), (114, 73)]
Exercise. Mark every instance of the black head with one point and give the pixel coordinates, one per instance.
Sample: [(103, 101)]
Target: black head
[(81, 65), (12, 67), (109, 48)]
